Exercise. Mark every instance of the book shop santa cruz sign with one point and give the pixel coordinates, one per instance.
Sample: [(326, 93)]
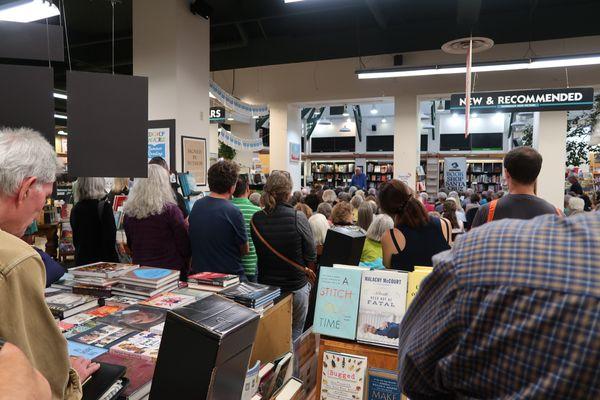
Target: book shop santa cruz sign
[(526, 100)]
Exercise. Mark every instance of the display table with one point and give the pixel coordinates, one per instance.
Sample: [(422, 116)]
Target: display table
[(274, 334), (50, 232)]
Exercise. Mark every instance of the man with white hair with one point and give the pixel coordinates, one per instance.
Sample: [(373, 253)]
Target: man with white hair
[(441, 198), (28, 168)]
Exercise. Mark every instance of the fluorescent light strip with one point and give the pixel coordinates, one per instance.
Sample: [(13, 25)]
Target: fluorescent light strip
[(28, 10), (292, 1), (59, 116), (504, 66), (59, 96)]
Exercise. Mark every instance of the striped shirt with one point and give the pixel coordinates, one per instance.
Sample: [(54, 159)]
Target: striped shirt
[(248, 209), (511, 312)]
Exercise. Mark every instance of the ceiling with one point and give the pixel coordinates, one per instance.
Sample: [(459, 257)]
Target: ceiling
[(247, 33)]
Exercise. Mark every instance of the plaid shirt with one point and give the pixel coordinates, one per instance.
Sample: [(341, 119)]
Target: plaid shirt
[(511, 312)]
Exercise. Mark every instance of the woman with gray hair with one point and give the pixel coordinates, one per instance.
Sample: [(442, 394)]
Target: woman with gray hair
[(356, 203), (372, 251), (365, 215), (93, 224), (156, 230), (255, 199), (330, 197)]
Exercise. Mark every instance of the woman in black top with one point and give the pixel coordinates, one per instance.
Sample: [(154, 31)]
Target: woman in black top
[(417, 237), (281, 234), (93, 224)]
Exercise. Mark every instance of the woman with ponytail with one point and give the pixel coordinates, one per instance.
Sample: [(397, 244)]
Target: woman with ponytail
[(416, 237), (285, 246)]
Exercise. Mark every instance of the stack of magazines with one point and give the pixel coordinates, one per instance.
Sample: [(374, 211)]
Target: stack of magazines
[(145, 282), (252, 295), (98, 279)]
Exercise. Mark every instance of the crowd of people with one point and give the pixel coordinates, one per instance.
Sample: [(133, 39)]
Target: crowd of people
[(512, 293)]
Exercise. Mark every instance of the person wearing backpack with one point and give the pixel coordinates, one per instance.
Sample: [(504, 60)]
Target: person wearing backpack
[(522, 166)]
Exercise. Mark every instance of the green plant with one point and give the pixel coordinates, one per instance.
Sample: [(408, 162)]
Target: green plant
[(226, 152), (527, 137)]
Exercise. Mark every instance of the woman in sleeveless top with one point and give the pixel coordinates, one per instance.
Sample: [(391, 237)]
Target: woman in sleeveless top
[(417, 237)]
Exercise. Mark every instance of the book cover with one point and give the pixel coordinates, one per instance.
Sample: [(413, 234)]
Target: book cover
[(338, 295), (343, 376), (105, 311), (77, 329), (169, 300), (205, 288), (139, 372), (119, 201), (102, 269), (149, 276), (144, 345), (383, 385), (382, 306), (136, 317), (414, 282), (120, 301), (251, 294), (137, 290), (79, 319), (66, 301), (103, 335), (251, 382), (83, 350), (214, 278), (198, 294), (158, 329), (291, 390)]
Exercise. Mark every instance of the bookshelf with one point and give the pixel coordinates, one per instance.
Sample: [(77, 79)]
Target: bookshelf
[(432, 176), (379, 172), (595, 170), (332, 173), (484, 175)]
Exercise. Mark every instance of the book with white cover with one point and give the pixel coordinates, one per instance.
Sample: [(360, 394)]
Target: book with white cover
[(343, 376), (382, 306)]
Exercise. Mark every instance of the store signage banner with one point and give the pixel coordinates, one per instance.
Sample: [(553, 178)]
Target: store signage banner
[(455, 173), (526, 100), (238, 143), (193, 152), (158, 144), (295, 152), (217, 115), (237, 106)]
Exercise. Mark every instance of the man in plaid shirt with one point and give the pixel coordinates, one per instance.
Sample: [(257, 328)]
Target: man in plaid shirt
[(511, 312)]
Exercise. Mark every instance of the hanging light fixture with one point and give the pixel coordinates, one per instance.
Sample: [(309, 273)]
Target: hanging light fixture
[(383, 120), (27, 10), (374, 110), (345, 114)]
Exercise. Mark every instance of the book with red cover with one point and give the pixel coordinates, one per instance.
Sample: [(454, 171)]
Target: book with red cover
[(139, 372), (119, 201), (214, 278)]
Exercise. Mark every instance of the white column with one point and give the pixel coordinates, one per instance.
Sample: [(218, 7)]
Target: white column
[(284, 128), (550, 138), (171, 47), (406, 138)]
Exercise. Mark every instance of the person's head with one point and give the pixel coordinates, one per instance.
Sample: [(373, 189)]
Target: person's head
[(329, 196), (312, 200), (28, 169), (325, 209), (397, 200), (522, 166), (372, 192), (424, 197), (469, 192), (381, 224), (150, 195), (475, 198), (277, 190), (450, 211), (356, 202), (304, 208), (255, 199), (345, 197), (91, 188), (296, 197), (319, 227), (454, 195), (357, 171), (573, 179), (365, 215), (374, 206), (222, 177), (342, 214), (119, 184), (576, 205), (360, 193), (442, 196), (242, 188), (160, 161), (352, 190), (485, 194)]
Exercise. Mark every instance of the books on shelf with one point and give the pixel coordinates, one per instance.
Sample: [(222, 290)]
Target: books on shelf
[(383, 384), (64, 305), (253, 295), (382, 306), (150, 277), (169, 300), (136, 317), (102, 270), (414, 282), (343, 377), (143, 345), (214, 279), (138, 371), (336, 309)]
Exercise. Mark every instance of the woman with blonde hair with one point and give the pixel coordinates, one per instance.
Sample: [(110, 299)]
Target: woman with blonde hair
[(156, 231), (285, 246), (372, 253)]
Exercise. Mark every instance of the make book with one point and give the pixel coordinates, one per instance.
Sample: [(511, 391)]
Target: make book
[(382, 306), (338, 295), (383, 385), (136, 317), (343, 376)]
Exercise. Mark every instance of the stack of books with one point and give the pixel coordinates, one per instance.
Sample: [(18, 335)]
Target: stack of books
[(63, 305), (212, 281), (98, 279), (145, 282), (252, 295)]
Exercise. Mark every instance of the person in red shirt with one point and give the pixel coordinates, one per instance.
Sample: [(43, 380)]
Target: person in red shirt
[(424, 197)]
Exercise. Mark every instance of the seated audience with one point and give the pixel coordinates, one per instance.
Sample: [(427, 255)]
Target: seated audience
[(93, 224), (499, 318), (342, 215), (355, 203), (285, 247), (28, 168), (576, 206), (439, 204), (296, 197), (365, 216), (467, 199), (156, 231), (312, 200), (330, 197), (460, 213), (522, 166), (217, 229), (325, 209), (372, 192), (174, 185), (374, 206), (305, 209), (255, 199), (372, 254), (450, 214), (240, 200), (352, 190), (424, 197), (344, 197), (360, 193), (319, 227), (417, 237)]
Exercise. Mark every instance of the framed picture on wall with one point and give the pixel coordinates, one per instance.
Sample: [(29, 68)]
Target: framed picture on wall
[(193, 158), (161, 141), (295, 152)]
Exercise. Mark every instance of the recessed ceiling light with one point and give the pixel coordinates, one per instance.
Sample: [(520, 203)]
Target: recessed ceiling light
[(383, 121), (348, 120), (62, 133), (255, 117), (27, 10), (230, 119), (345, 114)]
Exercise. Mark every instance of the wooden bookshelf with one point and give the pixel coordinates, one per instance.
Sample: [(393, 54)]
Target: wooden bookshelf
[(332, 173), (378, 172)]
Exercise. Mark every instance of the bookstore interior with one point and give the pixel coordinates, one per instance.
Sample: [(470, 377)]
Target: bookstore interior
[(279, 85)]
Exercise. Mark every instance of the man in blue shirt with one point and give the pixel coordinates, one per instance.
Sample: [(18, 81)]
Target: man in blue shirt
[(217, 229), (359, 180)]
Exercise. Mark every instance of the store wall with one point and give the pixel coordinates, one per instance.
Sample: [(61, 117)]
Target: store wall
[(244, 157)]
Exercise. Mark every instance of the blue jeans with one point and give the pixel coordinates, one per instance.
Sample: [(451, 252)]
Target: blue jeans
[(299, 310), (251, 278)]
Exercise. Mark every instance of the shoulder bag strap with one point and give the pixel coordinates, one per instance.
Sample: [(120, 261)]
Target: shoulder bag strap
[(492, 210), (395, 241), (448, 229)]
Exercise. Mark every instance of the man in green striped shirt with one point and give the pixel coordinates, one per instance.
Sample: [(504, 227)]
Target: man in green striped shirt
[(240, 200)]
